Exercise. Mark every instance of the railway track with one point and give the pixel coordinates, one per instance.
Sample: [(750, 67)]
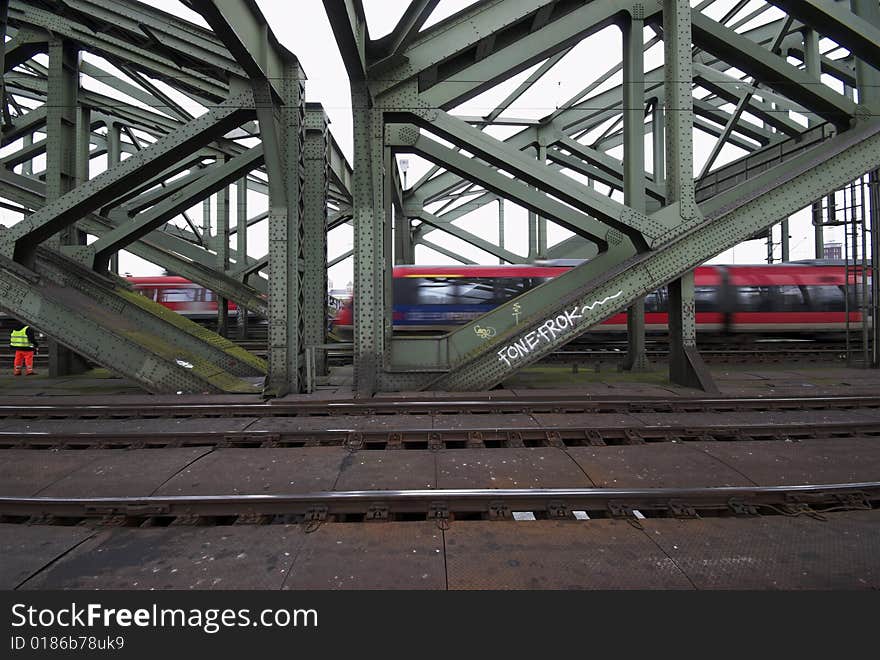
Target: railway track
[(576, 434), (557, 403), (444, 505)]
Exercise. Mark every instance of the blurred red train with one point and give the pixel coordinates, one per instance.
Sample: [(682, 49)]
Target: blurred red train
[(811, 298), (179, 294)]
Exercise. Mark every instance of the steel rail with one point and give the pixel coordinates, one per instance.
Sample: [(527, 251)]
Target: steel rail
[(557, 403), (445, 503), (487, 436)]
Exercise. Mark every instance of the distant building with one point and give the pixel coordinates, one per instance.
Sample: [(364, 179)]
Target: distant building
[(833, 251)]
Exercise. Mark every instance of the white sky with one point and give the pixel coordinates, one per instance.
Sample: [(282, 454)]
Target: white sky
[(302, 26)]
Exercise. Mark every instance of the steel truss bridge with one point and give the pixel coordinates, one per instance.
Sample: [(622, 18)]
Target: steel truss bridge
[(740, 71)]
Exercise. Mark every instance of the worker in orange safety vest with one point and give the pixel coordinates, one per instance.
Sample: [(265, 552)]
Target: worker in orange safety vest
[(24, 341)]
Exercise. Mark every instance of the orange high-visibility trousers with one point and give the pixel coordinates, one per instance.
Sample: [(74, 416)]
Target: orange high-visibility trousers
[(25, 358)]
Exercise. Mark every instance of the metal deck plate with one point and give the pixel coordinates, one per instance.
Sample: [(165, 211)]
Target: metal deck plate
[(388, 470), (546, 554), (751, 418), (136, 425), (259, 472), (121, 473), (230, 557), (484, 422), (25, 472), (806, 462), (378, 423), (775, 552), (381, 555), (666, 465), (26, 549), (556, 421), (539, 467)]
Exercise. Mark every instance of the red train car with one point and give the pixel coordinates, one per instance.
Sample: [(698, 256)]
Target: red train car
[(806, 299), (179, 294)]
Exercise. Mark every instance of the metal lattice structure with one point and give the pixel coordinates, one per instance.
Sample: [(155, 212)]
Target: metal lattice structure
[(741, 72)]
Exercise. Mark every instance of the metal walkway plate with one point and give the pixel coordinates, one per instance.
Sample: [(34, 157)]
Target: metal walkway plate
[(539, 467), (231, 557), (395, 555), (25, 472), (807, 462), (388, 470), (664, 465), (546, 554), (26, 549), (121, 473), (775, 553), (259, 472)]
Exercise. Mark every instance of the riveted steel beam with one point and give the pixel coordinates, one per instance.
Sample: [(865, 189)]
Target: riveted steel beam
[(213, 180), (772, 70), (350, 29), (21, 239), (836, 21), (732, 217), (529, 198), (94, 325), (175, 254), (468, 237)]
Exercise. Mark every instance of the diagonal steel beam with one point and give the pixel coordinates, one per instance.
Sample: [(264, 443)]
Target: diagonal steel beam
[(215, 179), (774, 71), (470, 238), (20, 241), (835, 20)]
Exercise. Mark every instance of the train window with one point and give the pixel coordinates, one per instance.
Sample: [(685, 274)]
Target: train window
[(147, 293), (826, 298), (657, 301), (210, 296), (179, 295), (706, 299), (791, 298)]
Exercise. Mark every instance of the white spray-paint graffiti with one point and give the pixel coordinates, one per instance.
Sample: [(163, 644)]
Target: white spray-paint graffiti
[(548, 331)]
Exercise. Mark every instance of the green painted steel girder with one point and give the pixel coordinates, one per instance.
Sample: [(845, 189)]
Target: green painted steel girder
[(506, 187), (468, 237), (835, 20), (349, 27), (244, 30), (497, 153), (731, 217), (772, 70), (214, 179), (162, 248), (20, 241)]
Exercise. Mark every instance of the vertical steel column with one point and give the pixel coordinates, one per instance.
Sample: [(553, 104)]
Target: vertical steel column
[(241, 219), (686, 367), (222, 248), (813, 62), (114, 156), (284, 161), (541, 232), (786, 251), (61, 167), (501, 226), (658, 140), (369, 252), (317, 164), (634, 169), (868, 83)]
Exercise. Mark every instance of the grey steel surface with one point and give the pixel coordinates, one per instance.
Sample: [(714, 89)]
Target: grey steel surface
[(28, 550), (248, 557), (116, 474), (806, 462), (391, 470), (24, 473), (774, 554), (544, 554), (655, 466), (270, 471), (393, 555), (540, 467)]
